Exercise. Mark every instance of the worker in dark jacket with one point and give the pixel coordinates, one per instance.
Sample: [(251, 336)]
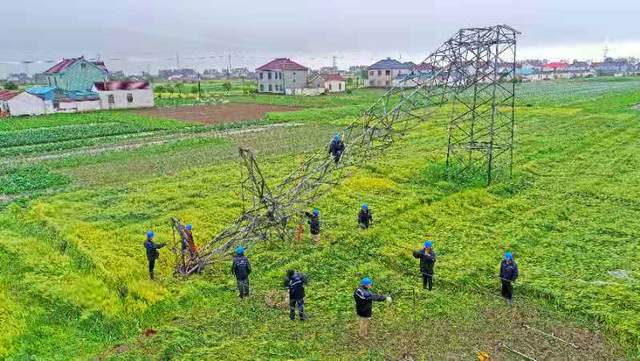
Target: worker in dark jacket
[(295, 282), (241, 268), (152, 251), (314, 224), (364, 217), (508, 275), (364, 304), (427, 262), (336, 148)]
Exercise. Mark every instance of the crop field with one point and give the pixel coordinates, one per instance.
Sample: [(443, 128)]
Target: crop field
[(215, 114), (79, 191)]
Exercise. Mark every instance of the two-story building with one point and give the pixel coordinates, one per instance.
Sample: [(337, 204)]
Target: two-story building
[(281, 76), (384, 72), (75, 74)]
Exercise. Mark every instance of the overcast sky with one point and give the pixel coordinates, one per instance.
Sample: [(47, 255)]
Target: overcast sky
[(149, 33)]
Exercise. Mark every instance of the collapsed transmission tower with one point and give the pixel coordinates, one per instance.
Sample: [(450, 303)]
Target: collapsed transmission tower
[(473, 72)]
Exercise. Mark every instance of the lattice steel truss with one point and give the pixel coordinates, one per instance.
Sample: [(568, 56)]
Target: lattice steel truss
[(472, 72)]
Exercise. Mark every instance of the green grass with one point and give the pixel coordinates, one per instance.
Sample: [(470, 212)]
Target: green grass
[(570, 216)]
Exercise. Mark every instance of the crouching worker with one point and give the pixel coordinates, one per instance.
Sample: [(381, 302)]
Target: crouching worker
[(364, 304), (364, 217), (336, 148), (241, 268), (187, 241), (427, 262), (314, 224), (508, 275), (295, 282), (152, 251)]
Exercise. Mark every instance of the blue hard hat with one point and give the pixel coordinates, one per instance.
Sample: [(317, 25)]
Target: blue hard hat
[(188, 227), (428, 244), (316, 211), (508, 255), (337, 136), (150, 234), (366, 281), (240, 250), (365, 206)]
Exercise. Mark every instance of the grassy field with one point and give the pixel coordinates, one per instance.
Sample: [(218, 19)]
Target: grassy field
[(74, 284)]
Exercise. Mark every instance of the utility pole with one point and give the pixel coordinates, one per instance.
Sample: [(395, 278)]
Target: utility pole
[(335, 62), (229, 68), (606, 52), (177, 61)]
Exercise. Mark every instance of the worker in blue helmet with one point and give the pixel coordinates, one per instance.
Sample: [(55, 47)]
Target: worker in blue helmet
[(295, 282), (508, 275), (336, 148), (364, 304), (314, 224), (241, 268), (427, 258), (364, 217), (188, 244), (152, 251)]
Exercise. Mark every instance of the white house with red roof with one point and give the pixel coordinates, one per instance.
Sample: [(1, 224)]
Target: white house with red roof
[(281, 76), (17, 103), (331, 83), (124, 94)]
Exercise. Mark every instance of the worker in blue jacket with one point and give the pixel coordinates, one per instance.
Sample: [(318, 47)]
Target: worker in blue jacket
[(295, 282), (152, 251), (508, 275), (364, 304), (364, 217), (336, 148), (427, 263), (314, 224), (241, 268)]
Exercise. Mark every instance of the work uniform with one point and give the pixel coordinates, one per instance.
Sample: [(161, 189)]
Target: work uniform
[(314, 226), (364, 307), (336, 148), (152, 254), (427, 263), (241, 268), (508, 274), (188, 243), (365, 218), (295, 284)]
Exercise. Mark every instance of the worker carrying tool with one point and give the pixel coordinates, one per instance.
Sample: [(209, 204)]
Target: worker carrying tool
[(364, 217), (314, 224), (241, 268), (295, 283), (427, 262), (364, 304), (187, 241), (508, 275), (336, 148), (152, 251)]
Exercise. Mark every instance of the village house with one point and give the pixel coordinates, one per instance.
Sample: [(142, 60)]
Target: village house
[(124, 94), (281, 76), (612, 67), (384, 72), (331, 83), (75, 74), (23, 103)]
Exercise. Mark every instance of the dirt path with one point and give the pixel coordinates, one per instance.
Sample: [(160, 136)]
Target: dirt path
[(215, 114)]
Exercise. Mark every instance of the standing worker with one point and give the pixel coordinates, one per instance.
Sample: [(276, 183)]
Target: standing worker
[(427, 262), (364, 217), (187, 241), (364, 304), (336, 148), (152, 251), (295, 282), (314, 224), (241, 268), (508, 275)]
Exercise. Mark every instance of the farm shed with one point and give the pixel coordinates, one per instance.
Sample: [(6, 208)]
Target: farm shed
[(76, 101), (331, 83), (21, 103), (124, 94)]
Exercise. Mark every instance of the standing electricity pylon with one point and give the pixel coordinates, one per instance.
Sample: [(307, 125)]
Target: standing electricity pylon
[(481, 127)]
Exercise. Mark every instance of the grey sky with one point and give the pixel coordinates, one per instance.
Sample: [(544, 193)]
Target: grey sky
[(358, 31)]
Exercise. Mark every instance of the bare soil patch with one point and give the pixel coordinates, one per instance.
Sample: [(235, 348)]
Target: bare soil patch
[(215, 114)]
